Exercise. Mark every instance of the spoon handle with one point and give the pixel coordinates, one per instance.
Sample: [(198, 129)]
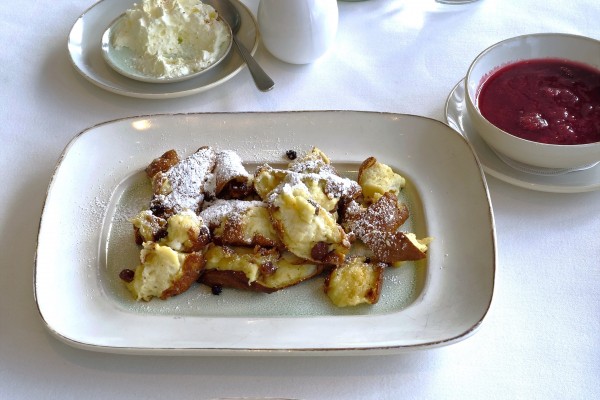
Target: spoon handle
[(261, 79)]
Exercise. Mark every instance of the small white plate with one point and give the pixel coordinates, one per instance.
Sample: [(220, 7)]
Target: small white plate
[(85, 240), (573, 182), (84, 45), (120, 58)]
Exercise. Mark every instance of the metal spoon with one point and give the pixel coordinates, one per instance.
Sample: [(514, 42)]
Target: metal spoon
[(230, 14)]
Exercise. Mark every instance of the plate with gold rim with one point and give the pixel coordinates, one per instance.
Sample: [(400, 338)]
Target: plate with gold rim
[(99, 182)]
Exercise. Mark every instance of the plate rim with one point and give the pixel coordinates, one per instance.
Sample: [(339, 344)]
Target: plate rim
[(367, 350), (123, 91)]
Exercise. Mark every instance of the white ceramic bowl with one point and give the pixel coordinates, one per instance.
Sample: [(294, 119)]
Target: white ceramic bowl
[(535, 46)]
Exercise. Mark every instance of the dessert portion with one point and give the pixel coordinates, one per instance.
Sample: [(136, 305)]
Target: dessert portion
[(357, 281), (305, 228), (376, 179), (210, 221), (181, 232), (171, 39), (183, 185), (241, 223), (231, 180), (164, 272), (258, 269)]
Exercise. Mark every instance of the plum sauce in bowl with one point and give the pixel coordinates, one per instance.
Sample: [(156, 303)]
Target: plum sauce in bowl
[(536, 99), (550, 101)]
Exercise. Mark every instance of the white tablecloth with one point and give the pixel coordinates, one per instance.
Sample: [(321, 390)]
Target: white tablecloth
[(541, 338)]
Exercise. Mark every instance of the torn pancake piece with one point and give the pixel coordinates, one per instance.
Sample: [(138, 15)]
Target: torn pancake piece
[(162, 163), (376, 179), (147, 227), (357, 281), (315, 161), (392, 247), (248, 224), (326, 188), (255, 269), (215, 212), (164, 272), (385, 214), (267, 178), (186, 232), (230, 179), (240, 223), (305, 228), (182, 186), (290, 271), (238, 267)]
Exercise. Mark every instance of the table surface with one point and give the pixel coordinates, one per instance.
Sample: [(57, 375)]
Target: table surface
[(541, 336)]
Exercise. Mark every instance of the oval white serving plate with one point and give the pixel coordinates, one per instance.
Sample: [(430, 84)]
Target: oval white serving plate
[(81, 302)]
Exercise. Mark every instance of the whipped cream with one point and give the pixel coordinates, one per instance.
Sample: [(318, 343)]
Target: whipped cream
[(172, 38)]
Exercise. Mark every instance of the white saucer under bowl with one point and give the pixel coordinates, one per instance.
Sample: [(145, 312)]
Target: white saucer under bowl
[(573, 182), (84, 45)]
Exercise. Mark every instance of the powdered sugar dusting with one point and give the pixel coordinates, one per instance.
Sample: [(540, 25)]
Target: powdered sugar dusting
[(216, 211), (187, 179), (228, 167), (316, 166), (322, 176), (335, 185), (386, 215), (210, 186)]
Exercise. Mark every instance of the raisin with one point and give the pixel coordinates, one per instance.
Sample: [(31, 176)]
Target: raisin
[(319, 251), (267, 268), (209, 197), (216, 289), (157, 209), (139, 239), (238, 189), (127, 275), (161, 233), (291, 154), (204, 236)]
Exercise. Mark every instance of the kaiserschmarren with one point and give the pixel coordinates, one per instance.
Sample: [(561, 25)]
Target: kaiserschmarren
[(211, 221)]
